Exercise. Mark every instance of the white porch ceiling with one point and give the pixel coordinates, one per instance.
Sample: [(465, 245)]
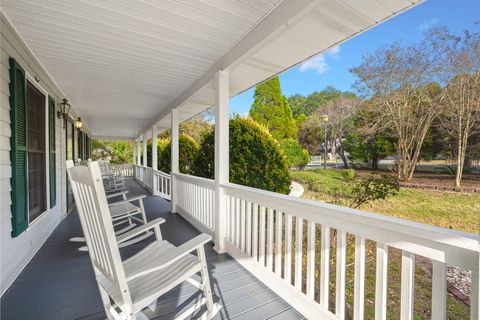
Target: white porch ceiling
[(125, 63)]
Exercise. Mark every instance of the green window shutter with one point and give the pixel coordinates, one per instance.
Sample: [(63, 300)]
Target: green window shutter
[(51, 153), (19, 148), (80, 144), (87, 146)]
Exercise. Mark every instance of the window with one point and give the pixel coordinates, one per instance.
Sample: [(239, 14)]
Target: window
[(37, 169), (31, 149)]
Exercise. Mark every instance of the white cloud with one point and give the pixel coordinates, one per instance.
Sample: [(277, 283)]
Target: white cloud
[(334, 51), (318, 63), (428, 24)]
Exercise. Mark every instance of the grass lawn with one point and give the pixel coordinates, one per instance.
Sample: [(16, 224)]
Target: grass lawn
[(459, 211), (445, 209)]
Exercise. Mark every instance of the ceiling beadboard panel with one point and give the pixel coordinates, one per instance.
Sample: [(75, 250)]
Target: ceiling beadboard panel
[(123, 63)]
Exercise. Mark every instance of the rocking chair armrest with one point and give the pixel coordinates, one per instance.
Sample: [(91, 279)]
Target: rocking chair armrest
[(139, 230), (126, 201), (172, 255), (116, 194)]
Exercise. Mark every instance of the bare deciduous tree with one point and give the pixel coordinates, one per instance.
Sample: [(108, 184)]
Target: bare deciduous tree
[(340, 121), (460, 113), (402, 83)]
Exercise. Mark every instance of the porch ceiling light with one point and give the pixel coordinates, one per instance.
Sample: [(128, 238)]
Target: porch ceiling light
[(64, 110), (79, 123)]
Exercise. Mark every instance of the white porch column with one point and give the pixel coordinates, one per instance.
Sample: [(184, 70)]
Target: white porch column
[(175, 154), (221, 156), (139, 162), (154, 147), (154, 158), (145, 150)]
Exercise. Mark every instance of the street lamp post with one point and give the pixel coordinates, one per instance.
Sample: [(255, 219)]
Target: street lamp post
[(325, 121)]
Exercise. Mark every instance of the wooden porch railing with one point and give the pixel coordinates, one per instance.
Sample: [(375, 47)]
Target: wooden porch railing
[(277, 238), (125, 169), (156, 181), (195, 201), (162, 184), (265, 233)]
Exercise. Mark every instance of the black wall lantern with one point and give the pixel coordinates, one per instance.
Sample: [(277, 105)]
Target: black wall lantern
[(64, 110)]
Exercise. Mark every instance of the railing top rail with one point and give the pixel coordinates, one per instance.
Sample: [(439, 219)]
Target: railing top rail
[(204, 182), (441, 244), (161, 173)]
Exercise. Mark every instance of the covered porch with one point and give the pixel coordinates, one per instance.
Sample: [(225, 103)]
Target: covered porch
[(134, 69)]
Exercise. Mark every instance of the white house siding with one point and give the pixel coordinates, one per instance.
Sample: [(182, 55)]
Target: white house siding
[(17, 252)]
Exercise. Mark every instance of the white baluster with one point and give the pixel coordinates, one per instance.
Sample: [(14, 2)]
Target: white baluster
[(278, 243), (255, 232), (340, 274), (324, 266), (288, 248), (439, 290), (407, 286), (298, 252), (359, 281), (249, 229), (270, 240), (381, 282), (261, 246), (311, 259)]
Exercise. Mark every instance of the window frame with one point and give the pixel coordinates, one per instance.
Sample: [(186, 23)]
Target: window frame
[(31, 223)]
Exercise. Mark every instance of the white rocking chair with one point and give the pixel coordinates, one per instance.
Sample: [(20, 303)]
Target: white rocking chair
[(122, 212), (112, 181), (128, 287)]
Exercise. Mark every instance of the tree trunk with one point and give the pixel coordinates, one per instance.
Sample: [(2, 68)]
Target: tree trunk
[(341, 152), (375, 162), (461, 151), (344, 159)]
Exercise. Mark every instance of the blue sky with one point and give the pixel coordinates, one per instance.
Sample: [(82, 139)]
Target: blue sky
[(331, 68)]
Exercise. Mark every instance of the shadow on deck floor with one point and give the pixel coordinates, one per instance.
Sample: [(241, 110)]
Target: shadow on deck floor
[(58, 283)]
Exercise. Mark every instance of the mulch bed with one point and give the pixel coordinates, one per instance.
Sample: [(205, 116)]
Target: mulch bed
[(438, 182), (439, 188)]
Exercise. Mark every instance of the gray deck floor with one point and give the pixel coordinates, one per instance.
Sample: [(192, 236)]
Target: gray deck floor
[(58, 283)]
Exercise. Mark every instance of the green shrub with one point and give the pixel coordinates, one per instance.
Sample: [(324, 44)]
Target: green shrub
[(113, 151), (372, 188), (349, 174), (338, 187), (187, 154), (255, 157), (161, 144), (296, 155), (452, 170)]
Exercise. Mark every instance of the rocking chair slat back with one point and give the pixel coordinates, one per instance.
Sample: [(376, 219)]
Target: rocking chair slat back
[(104, 168), (92, 207)]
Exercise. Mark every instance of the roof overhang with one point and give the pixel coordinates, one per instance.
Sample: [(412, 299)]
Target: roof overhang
[(125, 64)]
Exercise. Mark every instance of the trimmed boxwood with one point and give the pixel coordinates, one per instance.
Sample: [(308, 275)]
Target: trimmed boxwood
[(256, 159)]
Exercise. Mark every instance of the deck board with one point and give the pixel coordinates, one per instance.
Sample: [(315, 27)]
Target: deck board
[(58, 283)]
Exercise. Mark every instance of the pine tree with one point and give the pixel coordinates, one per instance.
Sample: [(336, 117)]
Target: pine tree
[(270, 108)]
